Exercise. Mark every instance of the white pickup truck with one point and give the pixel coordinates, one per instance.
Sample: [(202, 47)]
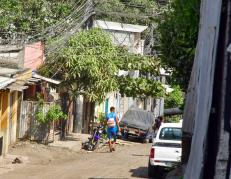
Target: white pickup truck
[(166, 148)]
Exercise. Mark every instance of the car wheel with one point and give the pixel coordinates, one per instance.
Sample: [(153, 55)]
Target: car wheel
[(126, 136), (95, 145), (151, 170)]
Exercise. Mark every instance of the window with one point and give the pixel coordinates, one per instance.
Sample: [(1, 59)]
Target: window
[(170, 133)]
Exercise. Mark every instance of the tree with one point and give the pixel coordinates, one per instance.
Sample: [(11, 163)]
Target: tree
[(25, 18), (85, 65), (89, 65), (140, 86), (178, 29), (127, 11), (175, 99)]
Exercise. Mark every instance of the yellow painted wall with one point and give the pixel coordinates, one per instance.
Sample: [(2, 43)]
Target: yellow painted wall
[(0, 111), (99, 109), (13, 119), (4, 119)]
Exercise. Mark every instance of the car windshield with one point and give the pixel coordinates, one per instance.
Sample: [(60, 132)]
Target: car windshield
[(170, 133)]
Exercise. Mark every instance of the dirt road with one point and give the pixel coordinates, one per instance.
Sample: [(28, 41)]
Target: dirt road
[(128, 161)]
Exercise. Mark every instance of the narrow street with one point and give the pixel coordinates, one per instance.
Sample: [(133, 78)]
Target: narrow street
[(41, 162)]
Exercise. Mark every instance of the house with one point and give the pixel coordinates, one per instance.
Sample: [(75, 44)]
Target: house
[(18, 83), (11, 86), (128, 36)]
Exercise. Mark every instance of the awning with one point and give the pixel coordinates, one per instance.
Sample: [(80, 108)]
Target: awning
[(36, 78), (16, 87), (119, 26), (4, 81)]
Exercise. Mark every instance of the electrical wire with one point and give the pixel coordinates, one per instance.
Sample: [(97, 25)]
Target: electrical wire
[(69, 31)]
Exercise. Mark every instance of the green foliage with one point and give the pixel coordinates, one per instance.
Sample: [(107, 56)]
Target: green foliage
[(129, 11), (101, 118), (54, 112), (40, 99), (172, 119), (178, 30), (145, 64), (32, 16), (175, 98), (90, 63), (87, 66), (40, 116), (140, 87)]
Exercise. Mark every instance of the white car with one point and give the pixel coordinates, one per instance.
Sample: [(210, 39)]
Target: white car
[(166, 149)]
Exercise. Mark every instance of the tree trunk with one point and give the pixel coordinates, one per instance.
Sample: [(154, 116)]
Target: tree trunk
[(69, 127)]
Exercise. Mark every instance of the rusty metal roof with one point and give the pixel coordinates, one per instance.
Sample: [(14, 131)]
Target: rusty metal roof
[(16, 87)]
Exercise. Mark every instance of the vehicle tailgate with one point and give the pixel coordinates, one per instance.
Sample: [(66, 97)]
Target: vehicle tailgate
[(167, 152)]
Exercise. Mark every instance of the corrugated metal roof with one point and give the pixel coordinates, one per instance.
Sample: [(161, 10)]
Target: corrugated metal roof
[(119, 26), (16, 87), (4, 81), (36, 76)]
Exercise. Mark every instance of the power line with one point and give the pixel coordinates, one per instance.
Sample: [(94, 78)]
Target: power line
[(51, 30), (68, 28), (121, 14)]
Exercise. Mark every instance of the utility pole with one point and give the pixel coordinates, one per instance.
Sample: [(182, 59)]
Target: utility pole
[(78, 114)]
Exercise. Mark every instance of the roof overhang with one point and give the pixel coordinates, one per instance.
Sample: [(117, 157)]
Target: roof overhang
[(36, 78), (16, 87), (4, 81), (107, 25)]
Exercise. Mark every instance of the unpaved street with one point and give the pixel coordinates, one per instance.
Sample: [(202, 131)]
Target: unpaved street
[(128, 161)]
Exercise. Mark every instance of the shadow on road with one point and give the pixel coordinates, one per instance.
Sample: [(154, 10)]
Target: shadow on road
[(108, 178), (142, 172)]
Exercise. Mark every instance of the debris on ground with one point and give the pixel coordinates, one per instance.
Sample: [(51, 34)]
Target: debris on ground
[(16, 160)]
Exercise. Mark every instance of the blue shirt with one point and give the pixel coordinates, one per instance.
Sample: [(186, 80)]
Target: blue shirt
[(112, 115)]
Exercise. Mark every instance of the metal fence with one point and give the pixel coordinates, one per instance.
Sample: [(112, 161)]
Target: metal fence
[(29, 127)]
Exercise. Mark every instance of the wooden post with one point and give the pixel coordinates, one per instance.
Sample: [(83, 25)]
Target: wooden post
[(64, 99), (201, 102)]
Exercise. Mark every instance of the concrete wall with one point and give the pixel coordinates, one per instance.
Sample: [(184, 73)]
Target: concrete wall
[(11, 56), (122, 104), (33, 55), (129, 39)]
